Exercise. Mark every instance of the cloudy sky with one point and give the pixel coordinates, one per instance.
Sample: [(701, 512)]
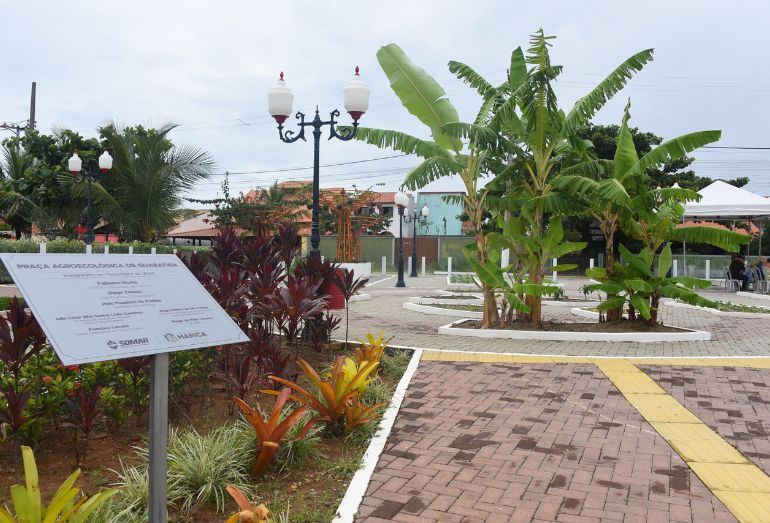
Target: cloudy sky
[(207, 66)]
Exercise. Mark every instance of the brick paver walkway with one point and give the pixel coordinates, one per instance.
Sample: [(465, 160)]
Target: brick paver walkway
[(500, 442), (733, 401)]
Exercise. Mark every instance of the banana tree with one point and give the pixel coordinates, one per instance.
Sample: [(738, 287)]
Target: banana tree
[(616, 192), (639, 287), (511, 281), (537, 141), (442, 156)]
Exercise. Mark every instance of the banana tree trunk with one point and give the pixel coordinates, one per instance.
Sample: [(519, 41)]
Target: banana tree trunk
[(654, 302), (491, 316), (608, 229)]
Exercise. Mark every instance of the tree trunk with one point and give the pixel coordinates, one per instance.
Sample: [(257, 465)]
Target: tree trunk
[(490, 316), (615, 314), (654, 302), (536, 275)]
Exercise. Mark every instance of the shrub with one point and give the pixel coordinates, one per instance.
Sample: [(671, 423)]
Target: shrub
[(298, 450), (201, 466), (66, 505), (394, 365), (272, 432)]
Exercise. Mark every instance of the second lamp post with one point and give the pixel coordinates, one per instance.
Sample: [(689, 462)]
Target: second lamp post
[(75, 165), (402, 202)]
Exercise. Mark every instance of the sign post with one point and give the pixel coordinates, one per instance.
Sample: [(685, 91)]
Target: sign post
[(99, 308)]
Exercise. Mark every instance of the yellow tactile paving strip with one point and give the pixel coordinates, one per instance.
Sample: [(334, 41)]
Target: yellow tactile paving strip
[(740, 485)]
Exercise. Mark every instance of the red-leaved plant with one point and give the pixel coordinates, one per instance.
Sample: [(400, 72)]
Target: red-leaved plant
[(84, 412)]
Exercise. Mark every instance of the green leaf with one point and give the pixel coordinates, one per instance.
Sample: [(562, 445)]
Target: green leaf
[(564, 267), (429, 170), (636, 261), (691, 282), (722, 238), (613, 302), (420, 93), (586, 107), (401, 142), (517, 74), (665, 261), (673, 150), (514, 301), (625, 152), (469, 76), (638, 285), (641, 305)]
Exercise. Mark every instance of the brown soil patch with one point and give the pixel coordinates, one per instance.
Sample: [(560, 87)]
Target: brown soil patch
[(557, 326)]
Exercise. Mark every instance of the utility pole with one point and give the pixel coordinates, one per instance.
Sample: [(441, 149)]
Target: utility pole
[(31, 123)]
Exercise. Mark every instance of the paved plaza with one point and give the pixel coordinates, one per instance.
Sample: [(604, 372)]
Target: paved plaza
[(511, 430)]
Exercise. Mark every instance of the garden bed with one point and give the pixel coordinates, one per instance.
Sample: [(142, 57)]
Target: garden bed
[(734, 310), (309, 489), (563, 331)]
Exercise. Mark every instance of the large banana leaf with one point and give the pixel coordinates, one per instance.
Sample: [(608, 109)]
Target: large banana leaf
[(722, 238), (517, 73), (586, 107), (468, 75), (420, 93), (625, 152), (399, 141), (429, 170), (674, 149)]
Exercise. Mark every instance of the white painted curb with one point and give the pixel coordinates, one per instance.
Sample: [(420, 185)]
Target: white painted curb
[(643, 337), (736, 314), (445, 301), (360, 297), (756, 295), (355, 493), (438, 311)]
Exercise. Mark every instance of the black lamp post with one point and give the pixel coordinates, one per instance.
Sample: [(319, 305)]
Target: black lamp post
[(279, 102), (414, 219), (401, 201), (75, 165)]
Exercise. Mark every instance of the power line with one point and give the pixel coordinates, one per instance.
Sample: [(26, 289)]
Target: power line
[(740, 147), (289, 169)]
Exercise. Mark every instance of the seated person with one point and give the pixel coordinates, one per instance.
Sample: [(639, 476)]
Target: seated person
[(759, 268), (737, 270)]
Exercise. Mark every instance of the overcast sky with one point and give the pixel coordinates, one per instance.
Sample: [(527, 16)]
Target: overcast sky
[(207, 66)]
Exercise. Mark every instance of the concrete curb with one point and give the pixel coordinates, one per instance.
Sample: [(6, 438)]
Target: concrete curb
[(642, 337), (438, 311), (351, 501)]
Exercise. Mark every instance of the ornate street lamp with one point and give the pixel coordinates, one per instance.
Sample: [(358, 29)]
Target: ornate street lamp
[(402, 201), (414, 219), (279, 104), (75, 166)]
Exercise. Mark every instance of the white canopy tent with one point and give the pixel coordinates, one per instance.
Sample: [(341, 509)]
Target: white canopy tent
[(722, 201), (725, 201)]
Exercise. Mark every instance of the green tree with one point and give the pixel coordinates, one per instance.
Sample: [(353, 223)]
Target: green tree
[(41, 184), (536, 140), (148, 180), (442, 156), (605, 138)]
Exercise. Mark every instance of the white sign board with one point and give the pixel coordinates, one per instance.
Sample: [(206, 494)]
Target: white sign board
[(96, 307)]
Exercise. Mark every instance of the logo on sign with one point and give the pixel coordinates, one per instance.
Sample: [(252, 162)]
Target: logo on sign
[(179, 336), (132, 342)]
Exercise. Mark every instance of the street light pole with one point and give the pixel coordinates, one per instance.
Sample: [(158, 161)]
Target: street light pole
[(75, 165), (280, 100), (400, 282), (414, 219)]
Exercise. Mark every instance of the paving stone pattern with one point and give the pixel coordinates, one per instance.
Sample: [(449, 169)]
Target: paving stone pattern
[(733, 401), (730, 336), (487, 442)]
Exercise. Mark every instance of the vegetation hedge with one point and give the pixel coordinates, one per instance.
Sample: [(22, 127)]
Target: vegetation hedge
[(79, 247)]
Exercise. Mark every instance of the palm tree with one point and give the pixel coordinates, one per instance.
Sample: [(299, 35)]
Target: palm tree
[(148, 179), (17, 191)]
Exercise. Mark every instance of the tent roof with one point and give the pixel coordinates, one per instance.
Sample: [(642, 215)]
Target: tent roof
[(722, 200)]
